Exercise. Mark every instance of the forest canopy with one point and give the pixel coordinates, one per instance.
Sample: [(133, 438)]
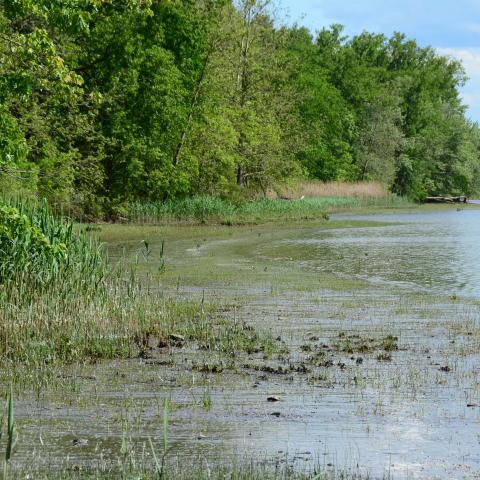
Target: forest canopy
[(110, 101)]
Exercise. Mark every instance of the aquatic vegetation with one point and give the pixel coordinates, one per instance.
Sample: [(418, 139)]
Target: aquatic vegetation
[(10, 430), (355, 343), (38, 250), (139, 466), (240, 324)]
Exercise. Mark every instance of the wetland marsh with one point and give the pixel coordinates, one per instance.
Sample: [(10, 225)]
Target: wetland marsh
[(353, 350), (214, 261)]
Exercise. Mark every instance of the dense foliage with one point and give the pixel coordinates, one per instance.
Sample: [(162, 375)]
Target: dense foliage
[(38, 251), (24, 248), (104, 102)]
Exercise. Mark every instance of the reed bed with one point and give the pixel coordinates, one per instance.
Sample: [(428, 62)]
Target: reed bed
[(38, 250), (205, 209), (341, 189), (61, 326)]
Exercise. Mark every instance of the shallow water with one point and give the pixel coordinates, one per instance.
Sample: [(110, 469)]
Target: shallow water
[(412, 275), (437, 252)]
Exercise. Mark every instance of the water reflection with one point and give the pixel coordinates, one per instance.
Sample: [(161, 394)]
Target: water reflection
[(434, 252)]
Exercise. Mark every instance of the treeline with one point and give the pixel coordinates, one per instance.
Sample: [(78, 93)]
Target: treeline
[(104, 102)]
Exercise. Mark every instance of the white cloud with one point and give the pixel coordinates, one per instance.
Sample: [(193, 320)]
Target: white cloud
[(470, 57)]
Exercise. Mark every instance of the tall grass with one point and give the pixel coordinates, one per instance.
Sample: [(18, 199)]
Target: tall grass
[(206, 209), (37, 250), (269, 469), (315, 188), (83, 309), (10, 430)]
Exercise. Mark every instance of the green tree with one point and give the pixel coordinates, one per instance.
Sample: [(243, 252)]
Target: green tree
[(327, 123), (380, 140)]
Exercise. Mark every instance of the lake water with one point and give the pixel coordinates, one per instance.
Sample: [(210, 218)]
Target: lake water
[(414, 276), (437, 252)]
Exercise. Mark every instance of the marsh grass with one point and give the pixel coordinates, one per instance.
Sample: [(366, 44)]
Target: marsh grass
[(58, 329), (143, 463), (82, 309), (316, 188), (354, 343), (205, 209)]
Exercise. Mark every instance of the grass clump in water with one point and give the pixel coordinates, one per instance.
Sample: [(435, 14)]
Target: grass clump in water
[(354, 343)]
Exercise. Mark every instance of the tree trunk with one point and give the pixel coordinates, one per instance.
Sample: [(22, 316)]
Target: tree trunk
[(242, 82), (240, 179), (193, 104)]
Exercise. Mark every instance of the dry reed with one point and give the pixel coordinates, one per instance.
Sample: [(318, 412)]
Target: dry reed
[(315, 188)]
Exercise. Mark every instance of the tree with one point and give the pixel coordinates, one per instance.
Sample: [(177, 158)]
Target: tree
[(112, 101), (327, 123), (380, 140), (43, 98)]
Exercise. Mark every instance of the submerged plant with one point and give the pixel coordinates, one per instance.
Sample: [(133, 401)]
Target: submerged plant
[(160, 465), (10, 433)]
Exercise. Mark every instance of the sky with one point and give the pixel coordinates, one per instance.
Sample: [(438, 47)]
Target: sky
[(452, 27)]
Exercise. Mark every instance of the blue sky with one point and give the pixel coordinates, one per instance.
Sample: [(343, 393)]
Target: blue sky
[(450, 26)]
